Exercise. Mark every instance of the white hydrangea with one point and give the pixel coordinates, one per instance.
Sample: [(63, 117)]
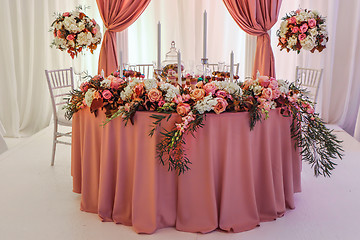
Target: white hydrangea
[(283, 86), (106, 83), (89, 96), (230, 87), (84, 38), (60, 42), (150, 84), (205, 105), (128, 90), (171, 91), (292, 41), (70, 24), (308, 43), (58, 25)]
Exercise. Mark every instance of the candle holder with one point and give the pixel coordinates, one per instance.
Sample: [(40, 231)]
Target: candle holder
[(204, 62)]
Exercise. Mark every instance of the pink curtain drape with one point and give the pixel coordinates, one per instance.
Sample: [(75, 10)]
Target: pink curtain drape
[(117, 15), (256, 17)]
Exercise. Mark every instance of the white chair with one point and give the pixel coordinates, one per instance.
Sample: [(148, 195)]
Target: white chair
[(60, 83), (225, 68), (146, 69), (310, 79)]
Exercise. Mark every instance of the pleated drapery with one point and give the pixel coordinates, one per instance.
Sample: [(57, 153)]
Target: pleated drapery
[(256, 17), (117, 15)]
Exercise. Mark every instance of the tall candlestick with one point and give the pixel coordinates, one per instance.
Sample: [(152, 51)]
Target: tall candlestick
[(179, 67), (205, 35), (232, 66), (159, 47), (121, 64)]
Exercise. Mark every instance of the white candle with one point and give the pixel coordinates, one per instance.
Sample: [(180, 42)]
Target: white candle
[(102, 73), (159, 47), (179, 67), (121, 64), (232, 66), (205, 35)]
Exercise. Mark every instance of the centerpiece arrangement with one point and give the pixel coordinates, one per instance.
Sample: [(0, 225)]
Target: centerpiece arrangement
[(123, 96), (303, 29), (74, 31)]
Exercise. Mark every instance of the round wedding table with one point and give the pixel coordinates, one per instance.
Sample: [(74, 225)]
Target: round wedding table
[(237, 179)]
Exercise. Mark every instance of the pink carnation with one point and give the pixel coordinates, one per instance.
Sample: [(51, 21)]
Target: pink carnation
[(66, 14), (303, 28), (312, 22), (220, 106), (116, 83), (107, 94), (161, 103), (276, 93), (302, 36)]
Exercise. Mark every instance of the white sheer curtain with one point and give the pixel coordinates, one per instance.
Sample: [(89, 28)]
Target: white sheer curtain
[(182, 21), (25, 54), (339, 97)]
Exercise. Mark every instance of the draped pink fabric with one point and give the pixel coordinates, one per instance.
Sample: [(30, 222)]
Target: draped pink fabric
[(238, 177), (117, 15), (256, 17)]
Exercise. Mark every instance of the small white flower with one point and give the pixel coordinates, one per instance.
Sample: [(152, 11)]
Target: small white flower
[(150, 84)]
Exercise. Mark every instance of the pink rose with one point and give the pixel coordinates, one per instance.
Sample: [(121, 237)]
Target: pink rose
[(220, 106), (154, 95), (295, 29), (198, 94), (276, 93), (210, 88), (183, 109), (312, 23), (70, 37), (302, 36), (264, 81), (266, 93), (66, 14), (84, 86), (139, 89), (292, 20), (303, 28), (107, 94), (221, 93)]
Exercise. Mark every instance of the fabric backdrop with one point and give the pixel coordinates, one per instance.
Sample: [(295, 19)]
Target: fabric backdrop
[(117, 16), (256, 17)]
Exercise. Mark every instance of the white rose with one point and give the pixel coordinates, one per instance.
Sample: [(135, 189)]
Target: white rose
[(313, 32), (308, 43)]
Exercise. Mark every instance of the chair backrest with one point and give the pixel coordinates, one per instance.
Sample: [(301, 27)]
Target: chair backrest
[(226, 68), (60, 83), (146, 69), (310, 79)]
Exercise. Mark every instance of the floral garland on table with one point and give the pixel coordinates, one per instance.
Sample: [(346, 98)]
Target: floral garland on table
[(74, 31), (303, 29), (123, 97)]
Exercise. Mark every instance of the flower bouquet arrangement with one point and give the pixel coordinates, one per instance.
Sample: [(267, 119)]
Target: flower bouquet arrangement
[(121, 97), (303, 29), (74, 31)]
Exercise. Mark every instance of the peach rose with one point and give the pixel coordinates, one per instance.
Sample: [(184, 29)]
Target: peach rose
[(283, 40), (266, 93), (154, 95), (210, 88), (264, 81), (198, 94), (183, 109), (220, 106), (199, 84)]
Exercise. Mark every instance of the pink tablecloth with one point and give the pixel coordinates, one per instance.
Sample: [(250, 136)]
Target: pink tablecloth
[(238, 177)]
